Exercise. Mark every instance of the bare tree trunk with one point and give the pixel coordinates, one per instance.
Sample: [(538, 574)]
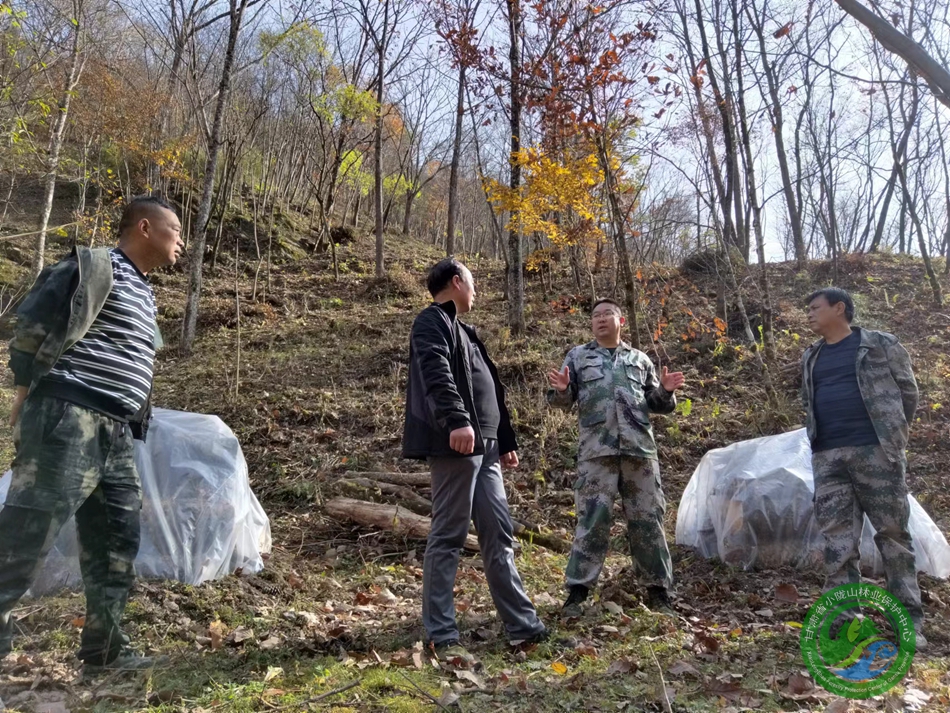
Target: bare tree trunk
[(778, 127), (410, 197), (57, 136), (768, 339), (190, 322), (515, 260), (378, 141), (6, 202), (454, 169)]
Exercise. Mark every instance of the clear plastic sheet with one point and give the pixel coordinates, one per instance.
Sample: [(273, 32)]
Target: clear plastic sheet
[(200, 519), (750, 505)]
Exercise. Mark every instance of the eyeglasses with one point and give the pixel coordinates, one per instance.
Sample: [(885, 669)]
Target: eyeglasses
[(605, 313)]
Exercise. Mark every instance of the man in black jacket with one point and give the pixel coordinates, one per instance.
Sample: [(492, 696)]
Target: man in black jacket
[(456, 418)]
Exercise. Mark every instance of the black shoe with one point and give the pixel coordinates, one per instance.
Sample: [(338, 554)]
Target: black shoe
[(658, 600), (577, 596)]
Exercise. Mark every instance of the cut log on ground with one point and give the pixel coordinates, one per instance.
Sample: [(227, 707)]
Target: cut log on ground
[(419, 480), (414, 502), (393, 518), (366, 488)]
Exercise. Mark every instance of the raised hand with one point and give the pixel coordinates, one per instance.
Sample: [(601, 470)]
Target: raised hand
[(671, 381), (560, 380)]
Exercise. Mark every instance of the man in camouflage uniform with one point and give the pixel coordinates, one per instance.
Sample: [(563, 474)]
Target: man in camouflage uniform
[(82, 359), (615, 388), (860, 396)]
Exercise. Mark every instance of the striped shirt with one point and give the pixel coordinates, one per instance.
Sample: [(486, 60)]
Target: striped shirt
[(110, 369)]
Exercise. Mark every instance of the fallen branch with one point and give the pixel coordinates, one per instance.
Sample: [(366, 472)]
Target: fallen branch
[(335, 691), (366, 488), (422, 480), (526, 531), (666, 698), (393, 518), (532, 533)]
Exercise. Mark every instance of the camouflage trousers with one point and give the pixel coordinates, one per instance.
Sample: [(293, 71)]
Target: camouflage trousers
[(637, 480), (857, 481), (72, 461)]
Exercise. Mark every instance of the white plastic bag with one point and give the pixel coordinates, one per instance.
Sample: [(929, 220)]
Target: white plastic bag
[(750, 504), (200, 519)]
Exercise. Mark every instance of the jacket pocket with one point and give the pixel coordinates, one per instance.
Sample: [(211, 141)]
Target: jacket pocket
[(635, 374), (592, 418), (591, 369)]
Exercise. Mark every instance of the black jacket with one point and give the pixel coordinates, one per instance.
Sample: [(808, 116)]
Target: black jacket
[(439, 398)]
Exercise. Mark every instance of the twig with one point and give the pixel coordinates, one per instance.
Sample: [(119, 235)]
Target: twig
[(341, 689), (4, 238), (666, 698), (424, 693)]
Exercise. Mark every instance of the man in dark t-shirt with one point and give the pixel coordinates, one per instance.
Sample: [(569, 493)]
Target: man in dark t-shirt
[(860, 395)]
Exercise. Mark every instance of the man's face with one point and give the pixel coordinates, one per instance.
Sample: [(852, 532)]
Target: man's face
[(606, 321), (823, 316), (164, 235), (465, 287)]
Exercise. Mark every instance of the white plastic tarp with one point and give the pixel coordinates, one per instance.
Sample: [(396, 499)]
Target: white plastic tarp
[(200, 519), (750, 504)]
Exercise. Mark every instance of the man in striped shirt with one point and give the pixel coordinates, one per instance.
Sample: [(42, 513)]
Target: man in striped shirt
[(82, 359)]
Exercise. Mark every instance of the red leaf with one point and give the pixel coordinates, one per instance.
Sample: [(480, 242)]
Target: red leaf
[(782, 31)]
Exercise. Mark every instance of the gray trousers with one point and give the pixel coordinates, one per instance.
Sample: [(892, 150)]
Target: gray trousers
[(466, 489)]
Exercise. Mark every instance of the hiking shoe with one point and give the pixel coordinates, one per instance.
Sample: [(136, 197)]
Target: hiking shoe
[(572, 607), (658, 600), (127, 660), (452, 652)]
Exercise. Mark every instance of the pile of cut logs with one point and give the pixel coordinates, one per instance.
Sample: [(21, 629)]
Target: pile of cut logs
[(391, 501)]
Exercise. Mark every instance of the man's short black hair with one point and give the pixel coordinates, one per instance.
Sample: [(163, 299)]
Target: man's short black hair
[(606, 301), (441, 274), (834, 295), (140, 207)]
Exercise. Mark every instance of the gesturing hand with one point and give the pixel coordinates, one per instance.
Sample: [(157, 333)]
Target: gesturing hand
[(462, 440), (560, 380), (671, 381)]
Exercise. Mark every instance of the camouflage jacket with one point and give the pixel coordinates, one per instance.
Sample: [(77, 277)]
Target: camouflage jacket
[(615, 395), (57, 312), (887, 385)]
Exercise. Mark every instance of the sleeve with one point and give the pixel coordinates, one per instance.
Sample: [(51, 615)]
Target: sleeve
[(432, 344), (899, 361), (43, 310), (565, 399), (658, 399)]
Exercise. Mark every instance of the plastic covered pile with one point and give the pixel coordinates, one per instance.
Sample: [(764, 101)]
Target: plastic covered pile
[(200, 520), (750, 505)]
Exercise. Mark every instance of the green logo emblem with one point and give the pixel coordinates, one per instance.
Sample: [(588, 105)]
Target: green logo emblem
[(858, 641)]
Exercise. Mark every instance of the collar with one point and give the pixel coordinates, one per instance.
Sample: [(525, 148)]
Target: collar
[(622, 347), (449, 308)]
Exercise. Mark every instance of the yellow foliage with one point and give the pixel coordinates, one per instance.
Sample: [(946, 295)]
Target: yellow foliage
[(557, 197)]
